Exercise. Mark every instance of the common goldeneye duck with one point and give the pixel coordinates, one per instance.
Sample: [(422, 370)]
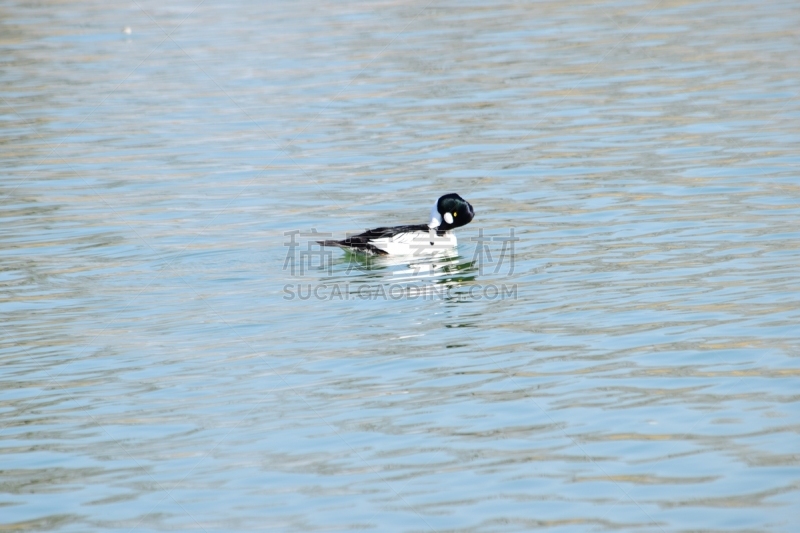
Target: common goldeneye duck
[(449, 212)]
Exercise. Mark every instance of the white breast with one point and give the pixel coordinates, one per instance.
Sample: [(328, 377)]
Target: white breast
[(415, 243)]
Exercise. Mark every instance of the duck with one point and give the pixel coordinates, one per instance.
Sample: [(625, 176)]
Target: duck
[(450, 211)]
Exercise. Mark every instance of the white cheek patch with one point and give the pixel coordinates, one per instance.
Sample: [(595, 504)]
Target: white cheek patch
[(448, 218)]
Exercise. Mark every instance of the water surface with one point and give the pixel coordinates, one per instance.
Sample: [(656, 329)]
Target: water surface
[(164, 366)]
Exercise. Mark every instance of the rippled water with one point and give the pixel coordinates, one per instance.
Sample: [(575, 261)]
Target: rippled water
[(164, 365)]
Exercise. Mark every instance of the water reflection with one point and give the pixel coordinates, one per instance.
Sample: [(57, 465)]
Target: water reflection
[(435, 276)]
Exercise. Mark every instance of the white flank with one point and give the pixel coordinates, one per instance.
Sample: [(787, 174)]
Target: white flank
[(415, 243)]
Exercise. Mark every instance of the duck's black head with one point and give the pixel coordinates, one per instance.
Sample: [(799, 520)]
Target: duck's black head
[(451, 211)]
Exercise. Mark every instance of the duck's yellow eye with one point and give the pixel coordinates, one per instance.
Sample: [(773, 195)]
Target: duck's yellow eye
[(455, 214)]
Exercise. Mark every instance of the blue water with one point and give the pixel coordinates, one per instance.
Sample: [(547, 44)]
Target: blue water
[(614, 344)]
